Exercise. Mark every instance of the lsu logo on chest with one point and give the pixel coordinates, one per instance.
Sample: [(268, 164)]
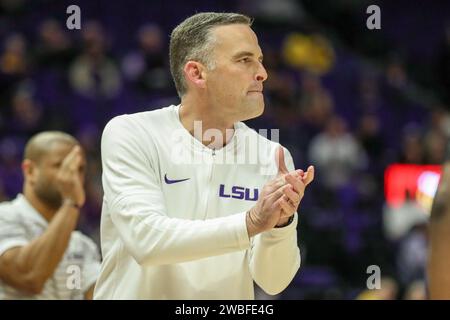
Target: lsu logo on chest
[(240, 193)]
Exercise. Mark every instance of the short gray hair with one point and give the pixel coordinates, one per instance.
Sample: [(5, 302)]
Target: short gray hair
[(191, 40)]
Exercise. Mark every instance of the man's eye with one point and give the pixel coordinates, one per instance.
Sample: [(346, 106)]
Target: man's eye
[(244, 60)]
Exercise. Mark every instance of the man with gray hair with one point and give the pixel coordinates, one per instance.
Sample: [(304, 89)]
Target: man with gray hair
[(173, 228), (41, 256)]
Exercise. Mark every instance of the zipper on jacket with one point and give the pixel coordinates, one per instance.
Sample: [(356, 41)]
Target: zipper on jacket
[(209, 184)]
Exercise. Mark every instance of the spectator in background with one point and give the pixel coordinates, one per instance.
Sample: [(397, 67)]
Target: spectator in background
[(146, 68), (372, 142), (400, 220), (27, 117), (316, 105), (412, 255), (435, 144), (437, 135), (93, 74), (337, 154), (95, 79), (54, 48), (439, 120), (396, 75), (412, 146), (370, 137), (281, 92), (14, 65), (39, 248), (13, 60), (369, 91)]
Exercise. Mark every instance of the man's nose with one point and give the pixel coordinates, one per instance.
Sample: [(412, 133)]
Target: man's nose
[(261, 73)]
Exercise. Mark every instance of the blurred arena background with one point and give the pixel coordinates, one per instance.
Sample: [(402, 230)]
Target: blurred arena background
[(350, 100)]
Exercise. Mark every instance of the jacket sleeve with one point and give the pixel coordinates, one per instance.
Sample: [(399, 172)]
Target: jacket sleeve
[(274, 255), (136, 205)]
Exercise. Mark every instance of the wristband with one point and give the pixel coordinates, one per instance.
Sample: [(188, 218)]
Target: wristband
[(291, 218)]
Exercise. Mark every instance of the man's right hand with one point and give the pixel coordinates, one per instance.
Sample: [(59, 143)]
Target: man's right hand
[(69, 180), (282, 193)]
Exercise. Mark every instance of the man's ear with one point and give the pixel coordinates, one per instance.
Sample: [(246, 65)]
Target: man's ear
[(29, 170), (195, 73)]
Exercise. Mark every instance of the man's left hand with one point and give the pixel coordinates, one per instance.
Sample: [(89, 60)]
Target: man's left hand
[(293, 194)]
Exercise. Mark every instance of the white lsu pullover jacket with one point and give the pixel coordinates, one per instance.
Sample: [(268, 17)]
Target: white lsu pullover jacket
[(175, 228)]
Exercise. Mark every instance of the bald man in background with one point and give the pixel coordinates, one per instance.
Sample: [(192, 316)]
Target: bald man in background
[(41, 256)]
